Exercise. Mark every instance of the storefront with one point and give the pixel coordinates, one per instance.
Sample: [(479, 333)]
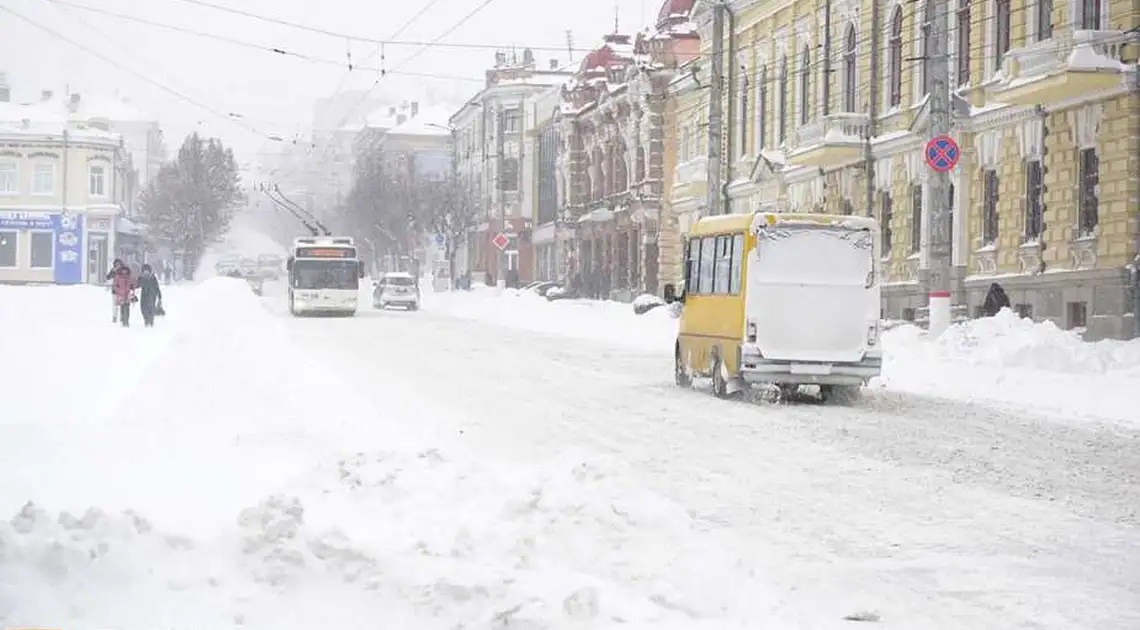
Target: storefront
[(41, 247)]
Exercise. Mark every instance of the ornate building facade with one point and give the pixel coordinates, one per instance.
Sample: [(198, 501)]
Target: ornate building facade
[(611, 167), (825, 109)]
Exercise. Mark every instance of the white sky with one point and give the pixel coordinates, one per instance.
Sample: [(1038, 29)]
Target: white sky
[(274, 93)]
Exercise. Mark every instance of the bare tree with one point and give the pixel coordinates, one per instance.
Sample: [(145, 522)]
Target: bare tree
[(451, 213)]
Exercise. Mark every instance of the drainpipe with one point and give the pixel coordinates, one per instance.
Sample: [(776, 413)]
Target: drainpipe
[(733, 104)]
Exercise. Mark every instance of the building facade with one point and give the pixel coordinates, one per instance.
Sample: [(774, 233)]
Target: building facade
[(825, 110), (61, 192), (613, 163), (553, 238), (489, 143)]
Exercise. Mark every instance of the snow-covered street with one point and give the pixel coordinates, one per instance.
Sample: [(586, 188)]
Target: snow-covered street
[(501, 461)]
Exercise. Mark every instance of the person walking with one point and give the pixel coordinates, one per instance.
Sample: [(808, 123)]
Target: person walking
[(150, 295), (110, 277), (123, 288)]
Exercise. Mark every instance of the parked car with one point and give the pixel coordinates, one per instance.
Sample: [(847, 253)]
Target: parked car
[(396, 289)]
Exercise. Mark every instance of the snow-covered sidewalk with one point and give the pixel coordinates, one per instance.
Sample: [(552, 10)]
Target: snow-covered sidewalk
[(210, 473), (1005, 361)]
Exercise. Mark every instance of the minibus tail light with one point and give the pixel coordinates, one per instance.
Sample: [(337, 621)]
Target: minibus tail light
[(750, 331)]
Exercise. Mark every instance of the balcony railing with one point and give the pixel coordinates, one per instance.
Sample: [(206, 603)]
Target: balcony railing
[(1084, 50), (842, 128)]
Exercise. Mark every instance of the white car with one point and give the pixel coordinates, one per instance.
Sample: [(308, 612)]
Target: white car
[(396, 289)]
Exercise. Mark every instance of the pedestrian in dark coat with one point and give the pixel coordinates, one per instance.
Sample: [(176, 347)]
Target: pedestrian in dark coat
[(150, 295), (996, 299)]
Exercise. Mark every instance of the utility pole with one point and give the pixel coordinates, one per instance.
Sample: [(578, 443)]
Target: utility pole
[(716, 94), (872, 111), (500, 144), (938, 279)]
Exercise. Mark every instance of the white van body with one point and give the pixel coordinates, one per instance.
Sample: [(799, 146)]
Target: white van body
[(812, 302)]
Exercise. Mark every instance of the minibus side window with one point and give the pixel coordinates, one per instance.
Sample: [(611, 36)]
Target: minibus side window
[(737, 263), (723, 273), (692, 265), (707, 265)]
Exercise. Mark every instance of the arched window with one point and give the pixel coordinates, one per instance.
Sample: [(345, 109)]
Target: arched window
[(782, 124), (850, 89), (805, 86), (762, 110), (894, 62), (964, 41), (642, 167)]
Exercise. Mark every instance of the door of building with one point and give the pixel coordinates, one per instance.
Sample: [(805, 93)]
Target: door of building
[(97, 263)]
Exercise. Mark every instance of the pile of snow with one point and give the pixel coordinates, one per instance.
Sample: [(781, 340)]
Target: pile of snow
[(1005, 359), (1016, 361), (604, 320), (227, 478)]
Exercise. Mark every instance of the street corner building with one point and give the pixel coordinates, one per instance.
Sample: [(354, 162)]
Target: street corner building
[(64, 179), (614, 157), (826, 108)]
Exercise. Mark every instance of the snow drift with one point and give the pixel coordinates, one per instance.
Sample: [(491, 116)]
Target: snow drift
[(1004, 360), (226, 478)]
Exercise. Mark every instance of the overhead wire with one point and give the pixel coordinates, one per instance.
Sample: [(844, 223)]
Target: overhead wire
[(135, 73)]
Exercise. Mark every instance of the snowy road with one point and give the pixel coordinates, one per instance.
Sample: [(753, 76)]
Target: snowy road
[(933, 513), (236, 467)]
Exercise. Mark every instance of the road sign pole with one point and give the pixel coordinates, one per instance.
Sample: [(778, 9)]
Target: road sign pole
[(938, 197)]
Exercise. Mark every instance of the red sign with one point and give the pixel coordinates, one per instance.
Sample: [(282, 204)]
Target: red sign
[(501, 241), (942, 153)]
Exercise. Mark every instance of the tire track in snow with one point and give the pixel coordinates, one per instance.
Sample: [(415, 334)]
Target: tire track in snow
[(863, 503)]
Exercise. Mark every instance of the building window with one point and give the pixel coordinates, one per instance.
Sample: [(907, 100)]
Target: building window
[(9, 178), (1001, 32), (512, 121), (97, 181), (8, 242), (43, 250), (782, 91), (894, 62), (1034, 200), (43, 179), (927, 46), (642, 167), (509, 178), (915, 218), (963, 42), (805, 86), (1089, 200), (990, 197), (1044, 20), (762, 111), (850, 89), (1078, 315), (886, 213), (1090, 15), (686, 144)]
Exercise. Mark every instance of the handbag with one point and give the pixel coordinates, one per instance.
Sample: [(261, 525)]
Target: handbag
[(158, 310)]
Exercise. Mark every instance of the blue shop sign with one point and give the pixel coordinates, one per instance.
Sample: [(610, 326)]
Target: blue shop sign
[(27, 221), (67, 237)]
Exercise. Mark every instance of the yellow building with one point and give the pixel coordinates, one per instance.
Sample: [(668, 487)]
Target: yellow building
[(825, 110)]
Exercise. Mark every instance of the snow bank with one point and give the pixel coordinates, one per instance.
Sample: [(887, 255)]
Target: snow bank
[(611, 322), (1020, 363), (1004, 359), (237, 481)]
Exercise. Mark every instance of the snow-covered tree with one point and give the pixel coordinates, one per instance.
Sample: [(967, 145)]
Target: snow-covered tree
[(192, 200)]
